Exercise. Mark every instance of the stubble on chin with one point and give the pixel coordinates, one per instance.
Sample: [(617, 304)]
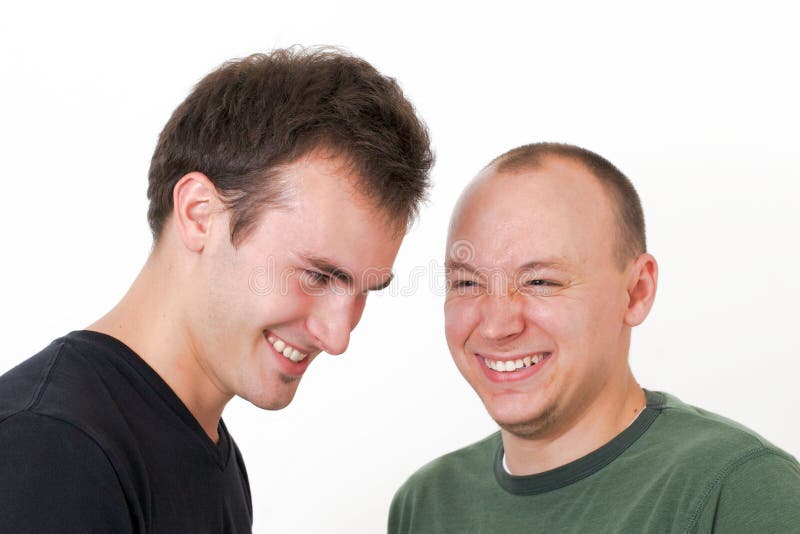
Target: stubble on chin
[(286, 379), (532, 428)]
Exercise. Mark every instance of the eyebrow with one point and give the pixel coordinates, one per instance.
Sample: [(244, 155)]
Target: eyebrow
[(327, 266), (547, 263), (455, 265)]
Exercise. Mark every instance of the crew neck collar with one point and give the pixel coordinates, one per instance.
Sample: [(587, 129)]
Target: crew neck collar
[(582, 467)]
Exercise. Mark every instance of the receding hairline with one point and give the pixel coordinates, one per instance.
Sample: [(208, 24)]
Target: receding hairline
[(341, 168), (497, 170), (620, 192)]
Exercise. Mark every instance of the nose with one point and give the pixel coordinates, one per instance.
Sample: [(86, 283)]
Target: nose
[(501, 317), (333, 319)]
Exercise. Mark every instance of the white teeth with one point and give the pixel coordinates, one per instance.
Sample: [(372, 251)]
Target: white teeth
[(290, 353), (505, 366)]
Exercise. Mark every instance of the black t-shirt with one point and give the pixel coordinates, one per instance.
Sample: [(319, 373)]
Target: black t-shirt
[(93, 440)]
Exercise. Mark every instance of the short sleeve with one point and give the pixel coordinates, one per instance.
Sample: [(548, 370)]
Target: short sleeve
[(55, 478), (761, 494)]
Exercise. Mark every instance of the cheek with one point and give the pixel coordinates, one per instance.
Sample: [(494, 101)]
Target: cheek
[(564, 322), (460, 321), (282, 300), (605, 315), (461, 317), (227, 302)]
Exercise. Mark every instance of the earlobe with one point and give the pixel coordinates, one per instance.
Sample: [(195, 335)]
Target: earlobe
[(193, 199), (641, 289)]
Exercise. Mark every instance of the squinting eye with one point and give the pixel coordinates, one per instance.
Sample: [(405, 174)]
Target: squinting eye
[(462, 284), (540, 287), (316, 277)]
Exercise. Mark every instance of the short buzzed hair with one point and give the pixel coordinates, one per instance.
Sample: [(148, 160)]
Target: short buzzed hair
[(251, 116), (631, 240)]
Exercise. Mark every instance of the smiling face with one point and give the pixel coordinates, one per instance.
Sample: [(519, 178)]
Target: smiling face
[(297, 286), (535, 287)]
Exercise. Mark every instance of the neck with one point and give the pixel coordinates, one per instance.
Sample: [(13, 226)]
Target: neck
[(150, 320), (598, 424)]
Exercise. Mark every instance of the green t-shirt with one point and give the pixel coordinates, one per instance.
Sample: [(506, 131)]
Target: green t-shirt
[(677, 468)]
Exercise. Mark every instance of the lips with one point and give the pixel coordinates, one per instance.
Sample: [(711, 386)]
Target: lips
[(512, 368), (291, 360), (284, 348)]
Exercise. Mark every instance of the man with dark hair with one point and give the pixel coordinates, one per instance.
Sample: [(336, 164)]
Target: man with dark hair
[(547, 274), (280, 191)]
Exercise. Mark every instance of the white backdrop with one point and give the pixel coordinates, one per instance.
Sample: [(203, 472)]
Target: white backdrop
[(698, 104)]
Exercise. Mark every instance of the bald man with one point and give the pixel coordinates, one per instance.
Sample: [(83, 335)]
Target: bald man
[(547, 274)]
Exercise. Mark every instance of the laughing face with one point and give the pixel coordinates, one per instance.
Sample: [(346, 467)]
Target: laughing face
[(537, 316), (293, 288)]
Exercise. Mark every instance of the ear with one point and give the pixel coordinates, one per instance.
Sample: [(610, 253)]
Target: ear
[(641, 289), (194, 198)]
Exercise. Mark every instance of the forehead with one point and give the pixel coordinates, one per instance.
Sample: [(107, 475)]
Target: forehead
[(327, 216), (556, 210)]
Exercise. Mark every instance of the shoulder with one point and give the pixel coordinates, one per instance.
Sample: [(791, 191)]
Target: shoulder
[(70, 380), (27, 436), (737, 478), (695, 432), (22, 386), (758, 494), (51, 465), (463, 466), (468, 461), (57, 406), (423, 497), (758, 491)]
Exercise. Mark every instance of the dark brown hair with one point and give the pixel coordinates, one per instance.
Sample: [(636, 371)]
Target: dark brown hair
[(252, 115), (631, 240)]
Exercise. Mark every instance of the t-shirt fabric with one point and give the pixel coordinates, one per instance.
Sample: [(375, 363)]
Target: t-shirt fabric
[(93, 440), (675, 469)]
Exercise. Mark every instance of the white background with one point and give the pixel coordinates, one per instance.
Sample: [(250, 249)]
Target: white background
[(697, 103)]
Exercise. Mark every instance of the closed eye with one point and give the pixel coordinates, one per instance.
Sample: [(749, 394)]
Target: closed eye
[(540, 287), (316, 277), (540, 282)]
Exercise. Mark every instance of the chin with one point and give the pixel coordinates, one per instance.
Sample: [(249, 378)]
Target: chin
[(528, 425), (271, 404), (274, 402)]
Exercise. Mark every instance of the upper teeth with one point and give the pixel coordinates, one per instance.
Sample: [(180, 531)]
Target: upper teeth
[(288, 351), (512, 365)]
